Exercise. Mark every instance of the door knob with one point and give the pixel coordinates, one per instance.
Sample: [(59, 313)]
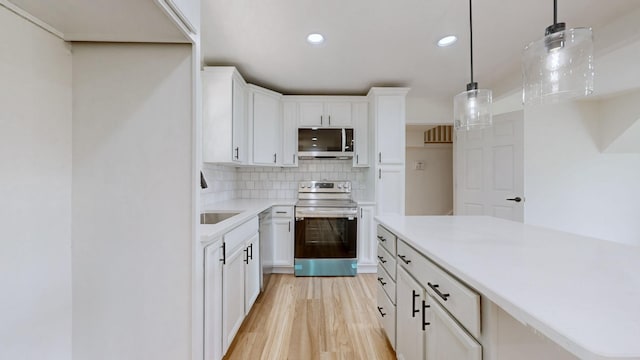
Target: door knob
[(516, 199)]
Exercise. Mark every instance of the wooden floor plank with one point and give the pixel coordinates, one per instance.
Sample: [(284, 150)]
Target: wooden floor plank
[(316, 318)]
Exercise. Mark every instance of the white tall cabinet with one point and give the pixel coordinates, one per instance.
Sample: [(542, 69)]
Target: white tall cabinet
[(388, 112), (213, 301)]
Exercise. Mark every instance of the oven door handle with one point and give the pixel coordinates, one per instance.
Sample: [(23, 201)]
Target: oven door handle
[(326, 214)]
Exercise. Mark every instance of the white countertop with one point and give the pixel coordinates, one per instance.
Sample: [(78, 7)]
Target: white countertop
[(582, 293), (247, 207)]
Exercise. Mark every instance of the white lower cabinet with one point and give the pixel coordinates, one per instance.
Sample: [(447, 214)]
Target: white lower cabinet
[(446, 339), (233, 295), (283, 238), (409, 316), (252, 272), (213, 302), (240, 277), (386, 295), (366, 239)]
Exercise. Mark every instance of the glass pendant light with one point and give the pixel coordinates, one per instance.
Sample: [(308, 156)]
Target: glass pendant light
[(472, 108), (559, 66)]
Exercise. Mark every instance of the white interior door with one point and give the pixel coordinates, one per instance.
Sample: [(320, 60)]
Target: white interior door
[(490, 171)]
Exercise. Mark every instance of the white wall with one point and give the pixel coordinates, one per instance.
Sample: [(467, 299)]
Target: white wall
[(132, 201), (428, 191), (429, 111), (35, 192), (569, 184)]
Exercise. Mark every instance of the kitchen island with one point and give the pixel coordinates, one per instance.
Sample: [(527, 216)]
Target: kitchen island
[(579, 294)]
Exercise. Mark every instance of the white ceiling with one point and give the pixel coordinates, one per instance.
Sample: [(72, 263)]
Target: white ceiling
[(383, 42), (105, 20)]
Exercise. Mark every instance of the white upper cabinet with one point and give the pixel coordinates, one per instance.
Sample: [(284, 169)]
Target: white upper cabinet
[(324, 112), (266, 124), (224, 117), (389, 118), (361, 134), (289, 134)]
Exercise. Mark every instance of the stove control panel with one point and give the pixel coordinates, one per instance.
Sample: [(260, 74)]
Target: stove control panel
[(324, 186)]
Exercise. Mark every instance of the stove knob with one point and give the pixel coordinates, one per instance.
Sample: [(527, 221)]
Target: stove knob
[(340, 186)]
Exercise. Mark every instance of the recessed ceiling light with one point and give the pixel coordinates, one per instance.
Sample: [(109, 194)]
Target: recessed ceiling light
[(315, 39), (447, 40)]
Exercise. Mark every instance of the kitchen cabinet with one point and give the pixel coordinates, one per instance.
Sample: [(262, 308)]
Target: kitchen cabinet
[(283, 238), (224, 116), (252, 272), (390, 183), (386, 298), (324, 112), (289, 134), (361, 134), (409, 317), (387, 107), (366, 239), (232, 295), (240, 277), (447, 340), (213, 301), (266, 123)]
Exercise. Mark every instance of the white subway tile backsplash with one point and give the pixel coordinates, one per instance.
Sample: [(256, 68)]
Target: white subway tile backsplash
[(226, 183)]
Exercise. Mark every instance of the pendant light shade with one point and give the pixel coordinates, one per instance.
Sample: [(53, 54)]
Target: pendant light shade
[(472, 108), (558, 66)]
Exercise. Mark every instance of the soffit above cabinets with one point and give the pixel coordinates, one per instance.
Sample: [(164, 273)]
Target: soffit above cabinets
[(106, 20), (384, 43)]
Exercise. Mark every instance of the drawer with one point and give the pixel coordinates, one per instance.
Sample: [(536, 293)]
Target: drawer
[(387, 239), (462, 302), (387, 284), (387, 261), (387, 314), (282, 211), (236, 237)]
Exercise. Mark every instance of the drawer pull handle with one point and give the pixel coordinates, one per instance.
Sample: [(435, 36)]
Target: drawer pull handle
[(246, 255), (403, 258), (382, 282), (413, 303), (381, 238), (382, 260), (434, 287), (381, 313), (424, 315)]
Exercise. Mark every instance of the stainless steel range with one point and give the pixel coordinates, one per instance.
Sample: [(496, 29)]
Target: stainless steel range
[(326, 229)]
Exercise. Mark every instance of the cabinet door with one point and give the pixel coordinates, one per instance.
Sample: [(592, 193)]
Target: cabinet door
[(366, 240), (283, 242), (447, 340), (213, 302), (239, 131), (266, 129), (410, 337), (290, 134), (390, 189), (361, 134), (311, 114), (252, 272), (232, 295), (338, 114), (391, 129)]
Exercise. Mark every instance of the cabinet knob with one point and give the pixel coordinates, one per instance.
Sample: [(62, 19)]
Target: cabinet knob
[(382, 238), (381, 313), (516, 199), (382, 260), (381, 282), (404, 259)]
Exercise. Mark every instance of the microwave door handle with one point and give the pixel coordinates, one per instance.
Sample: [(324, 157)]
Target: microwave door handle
[(344, 139)]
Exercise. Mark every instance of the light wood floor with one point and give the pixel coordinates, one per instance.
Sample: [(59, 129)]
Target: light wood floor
[(313, 318)]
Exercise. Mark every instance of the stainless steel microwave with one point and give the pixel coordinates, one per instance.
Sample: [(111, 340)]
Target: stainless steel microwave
[(319, 143)]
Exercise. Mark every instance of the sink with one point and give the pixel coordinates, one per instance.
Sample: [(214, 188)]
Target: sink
[(215, 217)]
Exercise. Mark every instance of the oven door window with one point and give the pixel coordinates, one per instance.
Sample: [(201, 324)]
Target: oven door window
[(326, 238)]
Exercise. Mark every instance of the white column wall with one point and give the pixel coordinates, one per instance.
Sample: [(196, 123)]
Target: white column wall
[(132, 201), (35, 192)]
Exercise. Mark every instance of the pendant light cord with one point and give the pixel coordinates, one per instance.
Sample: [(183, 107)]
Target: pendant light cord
[(555, 12), (471, 39)]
